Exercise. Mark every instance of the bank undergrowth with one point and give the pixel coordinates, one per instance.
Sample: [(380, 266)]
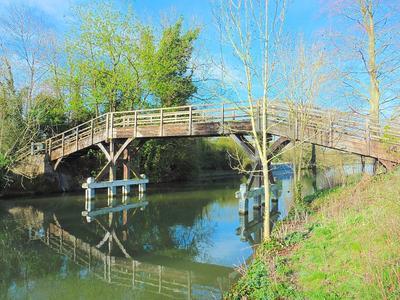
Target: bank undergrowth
[(339, 244)]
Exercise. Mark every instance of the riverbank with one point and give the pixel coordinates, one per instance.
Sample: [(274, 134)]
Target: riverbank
[(341, 243)]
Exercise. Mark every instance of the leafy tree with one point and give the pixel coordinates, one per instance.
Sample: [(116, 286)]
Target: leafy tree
[(48, 112), (166, 64), (116, 63), (102, 72)]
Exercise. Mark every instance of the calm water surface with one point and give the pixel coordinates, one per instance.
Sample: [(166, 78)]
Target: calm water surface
[(179, 242)]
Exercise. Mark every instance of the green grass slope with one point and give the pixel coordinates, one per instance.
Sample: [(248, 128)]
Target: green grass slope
[(341, 244)]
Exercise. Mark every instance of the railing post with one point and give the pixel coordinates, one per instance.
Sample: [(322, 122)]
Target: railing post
[(107, 125), (111, 125), (50, 146), (161, 121), (77, 138), (135, 124), (223, 118), (62, 143), (190, 120), (91, 131)]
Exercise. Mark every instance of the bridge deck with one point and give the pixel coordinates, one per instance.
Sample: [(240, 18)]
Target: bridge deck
[(333, 129)]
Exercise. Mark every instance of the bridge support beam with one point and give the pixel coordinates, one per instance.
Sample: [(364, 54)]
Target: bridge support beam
[(112, 191), (362, 164), (113, 156), (313, 166), (254, 187)]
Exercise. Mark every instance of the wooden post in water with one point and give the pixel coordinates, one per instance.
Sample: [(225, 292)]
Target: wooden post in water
[(362, 164), (313, 165), (258, 180), (89, 192), (142, 186), (243, 200), (243, 225), (126, 171)]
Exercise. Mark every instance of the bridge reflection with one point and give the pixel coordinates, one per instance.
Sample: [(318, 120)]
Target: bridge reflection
[(100, 259), (251, 225)]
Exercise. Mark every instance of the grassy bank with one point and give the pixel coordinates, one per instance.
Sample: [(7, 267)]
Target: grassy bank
[(340, 244)]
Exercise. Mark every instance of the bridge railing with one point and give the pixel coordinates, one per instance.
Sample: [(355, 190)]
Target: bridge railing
[(71, 138), (346, 125)]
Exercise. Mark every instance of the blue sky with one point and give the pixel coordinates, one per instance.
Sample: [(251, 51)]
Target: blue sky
[(304, 17)]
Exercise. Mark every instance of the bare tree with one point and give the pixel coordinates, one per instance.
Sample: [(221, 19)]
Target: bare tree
[(27, 44), (252, 29), (369, 47), (26, 47), (305, 70)]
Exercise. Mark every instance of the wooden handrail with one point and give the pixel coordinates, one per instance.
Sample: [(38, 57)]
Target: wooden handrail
[(331, 121)]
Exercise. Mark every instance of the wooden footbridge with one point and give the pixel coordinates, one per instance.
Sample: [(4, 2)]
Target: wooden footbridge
[(344, 131)]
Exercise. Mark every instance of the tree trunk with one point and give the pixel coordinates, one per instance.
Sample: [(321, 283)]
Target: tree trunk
[(267, 225), (374, 92)]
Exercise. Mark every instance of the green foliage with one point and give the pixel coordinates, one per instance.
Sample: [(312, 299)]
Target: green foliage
[(347, 249), (4, 163), (166, 64), (48, 112), (101, 73), (116, 63), (257, 284), (168, 160), (298, 192), (221, 154), (12, 124), (353, 253)]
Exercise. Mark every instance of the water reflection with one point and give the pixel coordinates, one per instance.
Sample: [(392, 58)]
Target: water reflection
[(178, 242), (250, 228), (107, 255)]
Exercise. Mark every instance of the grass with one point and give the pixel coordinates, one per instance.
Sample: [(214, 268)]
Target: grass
[(339, 244)]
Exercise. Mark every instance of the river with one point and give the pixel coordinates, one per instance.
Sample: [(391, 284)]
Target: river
[(180, 241)]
